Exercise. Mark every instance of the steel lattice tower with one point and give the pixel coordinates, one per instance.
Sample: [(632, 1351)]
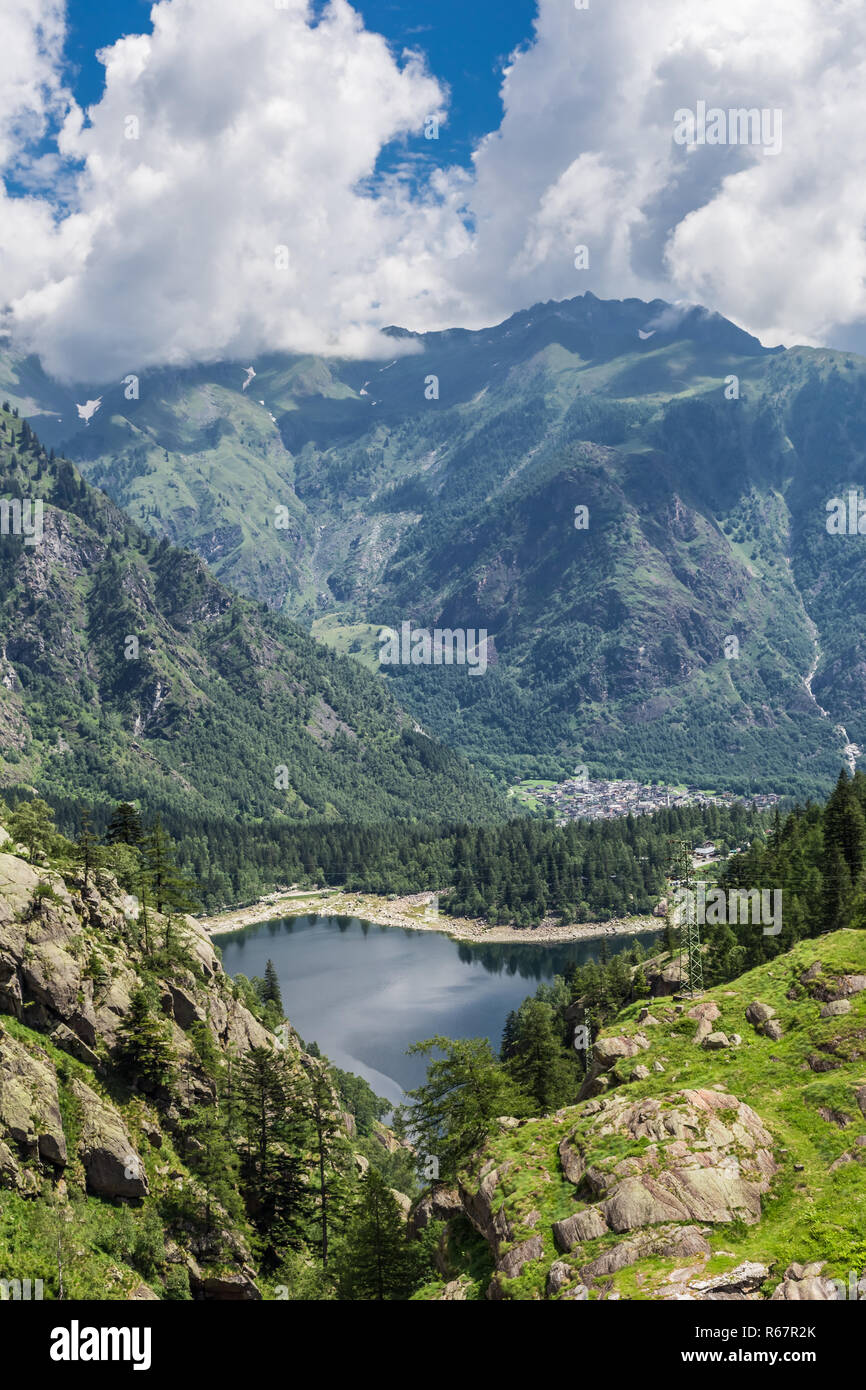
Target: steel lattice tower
[(588, 1051), (691, 962)]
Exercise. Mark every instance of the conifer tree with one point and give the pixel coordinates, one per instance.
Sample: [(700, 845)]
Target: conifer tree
[(87, 848), (146, 1053), (271, 991), (169, 887), (465, 1090), (377, 1262), (539, 1063), (125, 825)]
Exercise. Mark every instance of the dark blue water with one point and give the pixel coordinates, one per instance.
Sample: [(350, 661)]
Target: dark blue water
[(365, 992)]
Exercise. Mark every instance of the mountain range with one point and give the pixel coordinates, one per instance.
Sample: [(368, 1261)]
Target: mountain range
[(695, 623), (127, 671)]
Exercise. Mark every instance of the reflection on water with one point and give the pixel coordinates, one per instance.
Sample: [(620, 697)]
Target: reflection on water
[(365, 992)]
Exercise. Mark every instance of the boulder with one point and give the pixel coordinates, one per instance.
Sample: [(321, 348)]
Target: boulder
[(230, 1288), (111, 1164), (818, 1063), (64, 1038), (664, 979), (9, 1170), (29, 1105), (716, 1042), (142, 1293), (558, 1276), (737, 1283), (403, 1202), (441, 1203), (834, 1117), (705, 1020), (572, 1159), (584, 1225), (839, 987), (772, 1029), (709, 1160), (608, 1051), (805, 1284), (511, 1263), (647, 1019), (758, 1013), (836, 1008)]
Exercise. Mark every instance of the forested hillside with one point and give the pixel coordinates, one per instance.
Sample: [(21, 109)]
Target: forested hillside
[(164, 1133), (129, 672), (704, 462), (521, 872)]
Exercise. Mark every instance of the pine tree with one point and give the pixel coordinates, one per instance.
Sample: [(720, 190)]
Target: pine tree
[(271, 991), (125, 825), (539, 1064), (169, 887), (145, 1052), (377, 1263), (331, 1159), (845, 826), (87, 848), (277, 1150)]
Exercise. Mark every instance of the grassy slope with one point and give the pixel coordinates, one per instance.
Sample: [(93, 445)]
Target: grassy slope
[(808, 1215), (109, 1248)]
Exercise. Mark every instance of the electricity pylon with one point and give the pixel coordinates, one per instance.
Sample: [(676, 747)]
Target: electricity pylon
[(691, 961)]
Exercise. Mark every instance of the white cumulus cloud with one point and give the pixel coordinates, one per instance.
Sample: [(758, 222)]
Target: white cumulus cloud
[(224, 197)]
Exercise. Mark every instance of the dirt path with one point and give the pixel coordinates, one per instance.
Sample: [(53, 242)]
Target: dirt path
[(416, 913)]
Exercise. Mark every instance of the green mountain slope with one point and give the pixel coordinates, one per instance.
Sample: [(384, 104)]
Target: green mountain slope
[(707, 520), (129, 671), (694, 1170)]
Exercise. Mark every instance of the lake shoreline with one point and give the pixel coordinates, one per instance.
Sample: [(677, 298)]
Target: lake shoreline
[(416, 912)]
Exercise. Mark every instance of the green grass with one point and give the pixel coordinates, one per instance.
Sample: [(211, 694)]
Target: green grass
[(808, 1215)]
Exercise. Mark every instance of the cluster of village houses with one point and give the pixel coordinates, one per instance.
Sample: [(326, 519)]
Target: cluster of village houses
[(588, 800)]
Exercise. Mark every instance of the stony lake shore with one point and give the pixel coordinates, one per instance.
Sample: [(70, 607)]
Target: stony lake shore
[(415, 913)]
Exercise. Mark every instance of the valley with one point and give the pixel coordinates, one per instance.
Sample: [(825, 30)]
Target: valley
[(608, 645)]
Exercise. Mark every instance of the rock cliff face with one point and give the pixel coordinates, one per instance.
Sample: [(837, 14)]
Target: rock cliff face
[(72, 1124), (700, 1173), (66, 969)]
